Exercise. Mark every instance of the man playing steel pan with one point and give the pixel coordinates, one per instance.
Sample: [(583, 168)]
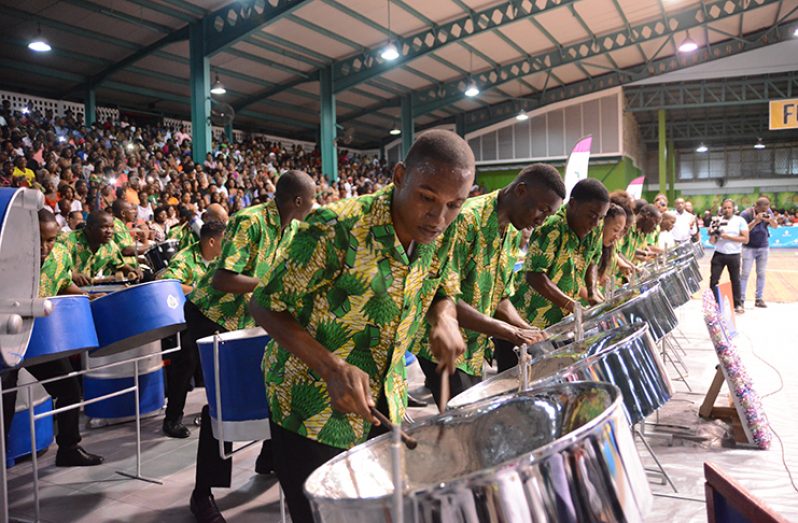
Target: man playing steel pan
[(563, 256), (253, 238), (191, 264), (55, 279), (486, 236), (346, 299)]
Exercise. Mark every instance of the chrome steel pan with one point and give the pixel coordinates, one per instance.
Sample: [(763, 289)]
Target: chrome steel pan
[(626, 357), (561, 453)]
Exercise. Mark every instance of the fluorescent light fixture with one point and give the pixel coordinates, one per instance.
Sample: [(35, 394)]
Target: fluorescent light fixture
[(522, 116), (40, 45), (795, 33), (218, 87), (759, 144), (395, 131), (390, 52), (701, 148), (688, 45), (472, 90)]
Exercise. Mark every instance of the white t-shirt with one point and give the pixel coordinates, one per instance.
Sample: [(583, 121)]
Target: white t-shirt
[(681, 228), (735, 226), (666, 240)]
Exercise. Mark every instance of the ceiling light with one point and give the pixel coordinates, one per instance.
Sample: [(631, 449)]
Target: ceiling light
[(701, 148), (688, 45), (40, 43), (759, 144), (218, 87), (472, 90), (395, 131), (795, 33), (390, 52), (522, 116)]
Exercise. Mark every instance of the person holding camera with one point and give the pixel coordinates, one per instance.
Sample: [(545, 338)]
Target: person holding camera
[(728, 233), (759, 218)]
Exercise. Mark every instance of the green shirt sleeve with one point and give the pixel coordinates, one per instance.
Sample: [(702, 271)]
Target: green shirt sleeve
[(240, 245), (541, 253), (56, 272)]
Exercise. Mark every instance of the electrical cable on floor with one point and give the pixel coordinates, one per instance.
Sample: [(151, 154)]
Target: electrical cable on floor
[(778, 389)]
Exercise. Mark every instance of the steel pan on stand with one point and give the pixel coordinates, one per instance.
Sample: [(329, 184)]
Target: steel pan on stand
[(68, 330), (541, 455)]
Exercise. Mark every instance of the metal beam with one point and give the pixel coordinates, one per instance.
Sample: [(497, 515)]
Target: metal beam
[(453, 91), (200, 83), (329, 156), (741, 128), (662, 150), (235, 21), (408, 128), (90, 108)]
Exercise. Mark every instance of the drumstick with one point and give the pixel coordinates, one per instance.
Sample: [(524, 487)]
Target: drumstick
[(444, 397), (409, 441)]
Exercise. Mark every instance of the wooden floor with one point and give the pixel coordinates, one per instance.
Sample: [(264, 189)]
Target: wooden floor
[(781, 282)]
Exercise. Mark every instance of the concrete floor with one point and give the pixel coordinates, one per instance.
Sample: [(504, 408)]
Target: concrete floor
[(766, 343)]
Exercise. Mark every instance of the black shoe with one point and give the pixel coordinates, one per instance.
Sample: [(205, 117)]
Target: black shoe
[(739, 309), (412, 401), (76, 457), (175, 429), (761, 304), (205, 510), (264, 465)]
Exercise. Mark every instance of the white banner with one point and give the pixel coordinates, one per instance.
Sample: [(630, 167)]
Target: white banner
[(576, 168)]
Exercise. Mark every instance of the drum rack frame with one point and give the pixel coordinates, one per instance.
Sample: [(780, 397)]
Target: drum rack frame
[(4, 508)]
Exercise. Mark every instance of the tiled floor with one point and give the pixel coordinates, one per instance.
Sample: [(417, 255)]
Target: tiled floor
[(99, 494)]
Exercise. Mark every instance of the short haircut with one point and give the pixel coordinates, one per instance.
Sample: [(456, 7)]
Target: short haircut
[(440, 147), (639, 204), (73, 213), (118, 205), (46, 216), (211, 229), (95, 218), (727, 200), (543, 175), (293, 184), (590, 190), (614, 211), (649, 209), (668, 216), (183, 212)]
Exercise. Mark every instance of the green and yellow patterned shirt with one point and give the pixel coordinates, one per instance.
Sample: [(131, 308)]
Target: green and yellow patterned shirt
[(187, 266), (105, 262), (183, 234), (56, 272), (123, 239), (634, 240), (251, 242), (484, 260), (555, 250), (350, 283)]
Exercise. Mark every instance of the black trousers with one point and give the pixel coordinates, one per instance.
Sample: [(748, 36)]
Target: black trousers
[(212, 470), (458, 382), (505, 356), (296, 457), (185, 362), (64, 392), (732, 262)]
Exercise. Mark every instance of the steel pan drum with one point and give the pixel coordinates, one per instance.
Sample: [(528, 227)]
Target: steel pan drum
[(159, 255), (560, 453), (625, 356), (674, 286), (245, 409), (138, 315), (68, 330), (19, 269)]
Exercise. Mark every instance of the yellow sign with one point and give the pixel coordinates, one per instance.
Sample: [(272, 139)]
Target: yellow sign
[(784, 114)]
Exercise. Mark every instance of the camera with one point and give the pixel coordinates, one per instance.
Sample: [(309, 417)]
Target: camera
[(715, 225)]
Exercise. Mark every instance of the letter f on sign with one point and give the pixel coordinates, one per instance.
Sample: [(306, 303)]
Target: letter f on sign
[(789, 111)]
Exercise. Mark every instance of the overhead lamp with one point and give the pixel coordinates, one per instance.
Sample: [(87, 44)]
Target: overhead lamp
[(395, 131), (218, 87), (522, 116), (795, 33), (759, 144), (701, 148), (472, 90), (688, 45), (390, 52), (40, 43)]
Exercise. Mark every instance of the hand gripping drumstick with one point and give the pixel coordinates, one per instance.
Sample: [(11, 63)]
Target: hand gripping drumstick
[(409, 441)]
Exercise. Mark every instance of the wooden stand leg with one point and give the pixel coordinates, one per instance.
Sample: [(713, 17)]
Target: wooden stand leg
[(708, 410)]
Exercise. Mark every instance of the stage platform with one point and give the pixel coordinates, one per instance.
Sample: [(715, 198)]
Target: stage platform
[(767, 335)]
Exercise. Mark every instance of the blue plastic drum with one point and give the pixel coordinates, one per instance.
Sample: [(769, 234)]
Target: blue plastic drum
[(245, 409), (68, 330), (137, 316)]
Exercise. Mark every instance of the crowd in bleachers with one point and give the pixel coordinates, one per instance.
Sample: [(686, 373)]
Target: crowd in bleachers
[(81, 169)]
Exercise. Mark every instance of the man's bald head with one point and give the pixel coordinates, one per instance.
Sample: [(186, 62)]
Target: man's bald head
[(215, 213), (294, 194), (762, 204)]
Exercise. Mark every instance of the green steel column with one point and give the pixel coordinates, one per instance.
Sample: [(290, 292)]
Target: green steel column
[(200, 81), (663, 158), (228, 132), (408, 129), (329, 154), (671, 172), (90, 108), (459, 124)]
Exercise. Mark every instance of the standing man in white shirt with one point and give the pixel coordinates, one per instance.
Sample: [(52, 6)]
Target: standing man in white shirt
[(728, 234), (685, 221)]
